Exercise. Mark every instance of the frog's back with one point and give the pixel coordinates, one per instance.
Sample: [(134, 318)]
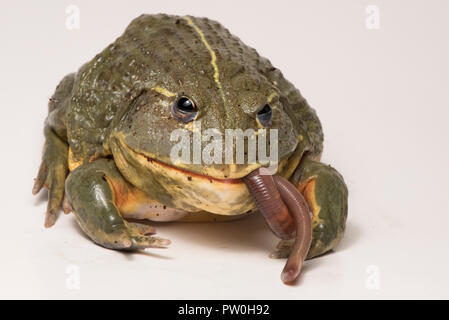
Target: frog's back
[(112, 78), (154, 50)]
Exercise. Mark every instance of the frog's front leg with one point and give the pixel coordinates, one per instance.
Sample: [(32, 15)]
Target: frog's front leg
[(327, 196), (90, 191)]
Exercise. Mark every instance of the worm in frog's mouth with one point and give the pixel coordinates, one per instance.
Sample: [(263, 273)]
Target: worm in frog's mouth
[(283, 207), (286, 213)]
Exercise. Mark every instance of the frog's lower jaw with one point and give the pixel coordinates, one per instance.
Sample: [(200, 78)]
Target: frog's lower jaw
[(178, 188)]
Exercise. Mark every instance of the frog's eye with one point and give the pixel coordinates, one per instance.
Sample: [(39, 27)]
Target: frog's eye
[(264, 115), (184, 109)]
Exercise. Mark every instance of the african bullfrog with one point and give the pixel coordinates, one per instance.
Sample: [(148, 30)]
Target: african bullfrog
[(107, 154)]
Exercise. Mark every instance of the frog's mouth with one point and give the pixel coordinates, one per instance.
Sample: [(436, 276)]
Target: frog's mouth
[(180, 188), (279, 201), (191, 174), (229, 174)]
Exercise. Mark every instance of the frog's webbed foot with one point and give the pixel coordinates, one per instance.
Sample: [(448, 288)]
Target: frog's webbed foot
[(52, 173), (92, 192), (142, 228)]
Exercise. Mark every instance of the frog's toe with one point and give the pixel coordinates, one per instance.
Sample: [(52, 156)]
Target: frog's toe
[(55, 196), (39, 182), (52, 173), (66, 206), (142, 228), (53, 179), (141, 242), (129, 239), (141, 237)]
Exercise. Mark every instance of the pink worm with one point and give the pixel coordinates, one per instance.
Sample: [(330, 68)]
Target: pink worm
[(287, 215)]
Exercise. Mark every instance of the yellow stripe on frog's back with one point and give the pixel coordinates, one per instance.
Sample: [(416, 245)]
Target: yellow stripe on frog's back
[(212, 55), (163, 91)]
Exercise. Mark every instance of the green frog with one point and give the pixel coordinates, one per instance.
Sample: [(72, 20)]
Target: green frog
[(107, 154)]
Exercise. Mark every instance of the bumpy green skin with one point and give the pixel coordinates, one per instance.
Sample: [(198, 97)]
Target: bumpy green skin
[(91, 197), (117, 96), (166, 51), (332, 196)]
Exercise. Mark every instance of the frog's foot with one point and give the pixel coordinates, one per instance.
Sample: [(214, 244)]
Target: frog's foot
[(94, 191), (326, 194), (142, 228), (52, 173)]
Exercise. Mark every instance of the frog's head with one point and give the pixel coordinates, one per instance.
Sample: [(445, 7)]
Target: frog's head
[(210, 91)]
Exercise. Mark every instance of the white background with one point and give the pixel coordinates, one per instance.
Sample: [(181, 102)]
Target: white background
[(382, 96)]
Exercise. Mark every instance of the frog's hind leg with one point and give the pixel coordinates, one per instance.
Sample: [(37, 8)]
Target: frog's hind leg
[(327, 196), (52, 173), (92, 192)]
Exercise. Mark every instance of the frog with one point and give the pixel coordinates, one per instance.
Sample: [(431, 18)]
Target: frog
[(107, 153)]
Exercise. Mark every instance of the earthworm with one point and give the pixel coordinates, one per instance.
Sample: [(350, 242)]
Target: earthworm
[(269, 202), (300, 211), (273, 195)]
